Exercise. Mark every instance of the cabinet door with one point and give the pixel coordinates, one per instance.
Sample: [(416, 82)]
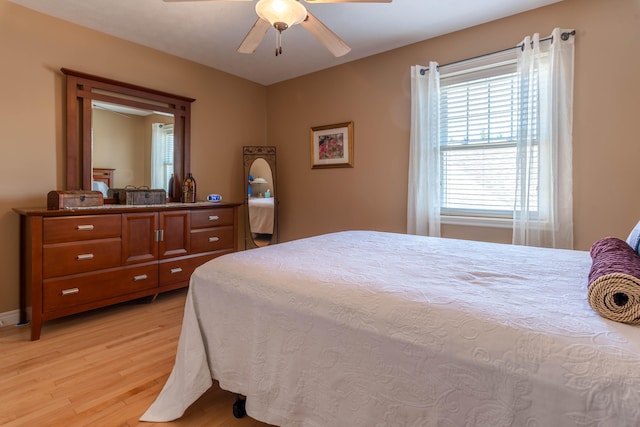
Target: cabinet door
[(139, 237), (175, 235)]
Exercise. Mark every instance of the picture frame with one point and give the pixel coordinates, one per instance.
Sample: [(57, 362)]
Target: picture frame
[(331, 146)]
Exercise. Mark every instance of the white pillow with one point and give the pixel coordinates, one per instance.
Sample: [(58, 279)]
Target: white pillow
[(101, 187)]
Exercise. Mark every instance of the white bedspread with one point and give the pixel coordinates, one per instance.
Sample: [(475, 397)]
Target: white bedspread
[(379, 329), (261, 214)]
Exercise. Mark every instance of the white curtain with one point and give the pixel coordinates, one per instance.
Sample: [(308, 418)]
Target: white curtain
[(423, 202), (157, 156), (543, 211)]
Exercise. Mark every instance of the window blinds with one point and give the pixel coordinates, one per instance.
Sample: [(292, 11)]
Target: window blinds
[(478, 131)]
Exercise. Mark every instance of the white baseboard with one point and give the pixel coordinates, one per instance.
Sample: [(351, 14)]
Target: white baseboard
[(12, 317)]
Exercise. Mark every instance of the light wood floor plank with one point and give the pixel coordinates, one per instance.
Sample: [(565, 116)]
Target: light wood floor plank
[(101, 368)]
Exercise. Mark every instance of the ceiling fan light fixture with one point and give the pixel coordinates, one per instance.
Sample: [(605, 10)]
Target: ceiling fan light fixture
[(278, 12)]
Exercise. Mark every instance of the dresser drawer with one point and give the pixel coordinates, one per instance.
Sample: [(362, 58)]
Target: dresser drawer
[(211, 239), (86, 227), (61, 259), (180, 270), (70, 291), (205, 218)]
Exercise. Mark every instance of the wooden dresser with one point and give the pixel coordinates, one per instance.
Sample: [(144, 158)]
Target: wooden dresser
[(73, 260)]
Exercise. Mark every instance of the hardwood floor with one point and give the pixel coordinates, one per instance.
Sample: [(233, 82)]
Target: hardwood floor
[(101, 368)]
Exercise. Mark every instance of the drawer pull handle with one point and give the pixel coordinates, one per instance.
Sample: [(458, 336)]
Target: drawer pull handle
[(140, 277), (213, 217), (85, 227), (176, 270), (71, 291), (83, 257), (213, 239)]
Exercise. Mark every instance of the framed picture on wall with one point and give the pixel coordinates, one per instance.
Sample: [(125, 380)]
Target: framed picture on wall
[(332, 146)]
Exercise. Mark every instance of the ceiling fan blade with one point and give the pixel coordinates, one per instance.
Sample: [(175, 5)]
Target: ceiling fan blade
[(254, 36), (325, 36), (347, 1)]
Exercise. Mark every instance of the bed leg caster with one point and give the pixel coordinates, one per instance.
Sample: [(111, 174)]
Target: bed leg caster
[(238, 407)]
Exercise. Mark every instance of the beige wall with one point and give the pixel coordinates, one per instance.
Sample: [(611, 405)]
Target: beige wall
[(374, 94), (228, 113), (122, 143)]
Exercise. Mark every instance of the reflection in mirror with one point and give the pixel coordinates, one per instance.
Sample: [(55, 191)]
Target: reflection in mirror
[(261, 201), (135, 144), (120, 134)]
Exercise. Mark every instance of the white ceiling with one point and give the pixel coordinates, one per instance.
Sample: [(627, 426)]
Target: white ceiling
[(209, 32)]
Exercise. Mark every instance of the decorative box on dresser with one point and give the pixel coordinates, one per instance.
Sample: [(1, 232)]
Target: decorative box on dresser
[(73, 260)]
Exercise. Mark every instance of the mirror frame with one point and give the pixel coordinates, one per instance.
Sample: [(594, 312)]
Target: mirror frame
[(249, 155), (82, 89)]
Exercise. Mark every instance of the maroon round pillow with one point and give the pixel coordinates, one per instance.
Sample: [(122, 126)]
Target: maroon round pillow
[(614, 280)]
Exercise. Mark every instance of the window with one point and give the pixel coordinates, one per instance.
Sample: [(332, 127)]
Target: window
[(479, 110), (167, 164), (162, 155), (490, 142)]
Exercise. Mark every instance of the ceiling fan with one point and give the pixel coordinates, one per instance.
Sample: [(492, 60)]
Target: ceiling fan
[(282, 14)]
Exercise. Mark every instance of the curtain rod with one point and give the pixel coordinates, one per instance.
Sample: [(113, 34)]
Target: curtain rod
[(564, 36)]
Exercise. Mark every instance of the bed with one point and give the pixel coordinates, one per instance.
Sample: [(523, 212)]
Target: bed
[(261, 215), (362, 328), (102, 180)]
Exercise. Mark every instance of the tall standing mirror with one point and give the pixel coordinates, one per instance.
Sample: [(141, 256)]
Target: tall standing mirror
[(261, 197), (119, 135)]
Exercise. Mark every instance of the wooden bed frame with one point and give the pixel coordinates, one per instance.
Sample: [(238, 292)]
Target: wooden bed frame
[(104, 174)]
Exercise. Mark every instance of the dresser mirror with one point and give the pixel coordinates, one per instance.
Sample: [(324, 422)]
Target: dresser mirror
[(261, 197), (119, 134)]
